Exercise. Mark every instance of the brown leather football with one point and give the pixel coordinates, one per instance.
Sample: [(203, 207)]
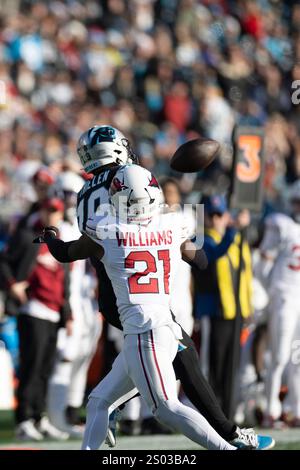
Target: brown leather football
[(194, 155)]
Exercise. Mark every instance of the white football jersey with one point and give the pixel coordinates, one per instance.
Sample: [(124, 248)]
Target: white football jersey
[(282, 242), (141, 263), (141, 267)]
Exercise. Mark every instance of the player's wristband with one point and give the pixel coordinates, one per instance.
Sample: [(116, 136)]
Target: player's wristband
[(50, 232)]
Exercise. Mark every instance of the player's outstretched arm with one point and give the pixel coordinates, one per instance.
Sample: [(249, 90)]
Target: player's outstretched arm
[(192, 256), (66, 252)]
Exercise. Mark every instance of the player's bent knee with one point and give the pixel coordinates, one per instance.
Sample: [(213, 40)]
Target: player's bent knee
[(94, 404), (164, 412)]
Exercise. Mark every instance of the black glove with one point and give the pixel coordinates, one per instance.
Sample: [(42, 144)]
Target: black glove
[(48, 233)]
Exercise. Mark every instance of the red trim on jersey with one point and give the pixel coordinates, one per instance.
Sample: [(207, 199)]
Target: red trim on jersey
[(157, 366), (145, 373)]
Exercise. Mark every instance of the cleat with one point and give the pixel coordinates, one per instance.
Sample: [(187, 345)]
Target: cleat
[(111, 439), (26, 431), (265, 442), (247, 439), (48, 430)]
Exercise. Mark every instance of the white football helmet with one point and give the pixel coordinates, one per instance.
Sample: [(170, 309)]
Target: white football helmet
[(135, 194), (102, 145)]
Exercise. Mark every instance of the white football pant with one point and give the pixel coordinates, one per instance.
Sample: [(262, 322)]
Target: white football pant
[(145, 363), (284, 317)]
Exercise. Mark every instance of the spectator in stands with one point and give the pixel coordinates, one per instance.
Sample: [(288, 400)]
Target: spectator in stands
[(161, 71), (38, 294), (192, 65), (216, 290)]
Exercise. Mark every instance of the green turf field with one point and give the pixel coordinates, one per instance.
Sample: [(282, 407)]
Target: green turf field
[(285, 440)]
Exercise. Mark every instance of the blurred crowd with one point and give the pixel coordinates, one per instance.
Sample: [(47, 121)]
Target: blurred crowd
[(161, 71)]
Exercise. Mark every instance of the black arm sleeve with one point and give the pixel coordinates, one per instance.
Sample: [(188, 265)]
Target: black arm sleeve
[(58, 249), (65, 311), (199, 262)]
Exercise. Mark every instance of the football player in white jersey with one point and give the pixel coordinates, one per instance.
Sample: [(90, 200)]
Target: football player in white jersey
[(280, 248), (140, 251), (101, 150)]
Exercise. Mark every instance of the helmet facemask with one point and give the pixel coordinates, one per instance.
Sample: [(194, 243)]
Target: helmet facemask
[(135, 195)]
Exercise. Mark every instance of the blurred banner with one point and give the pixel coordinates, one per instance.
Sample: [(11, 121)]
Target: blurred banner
[(248, 165)]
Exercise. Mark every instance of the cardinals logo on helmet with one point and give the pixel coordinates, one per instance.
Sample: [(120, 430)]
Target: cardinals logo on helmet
[(153, 182)]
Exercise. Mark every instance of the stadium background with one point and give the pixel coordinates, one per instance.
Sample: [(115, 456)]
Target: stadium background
[(162, 71)]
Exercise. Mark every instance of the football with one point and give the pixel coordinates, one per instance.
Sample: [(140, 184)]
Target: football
[(194, 155)]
